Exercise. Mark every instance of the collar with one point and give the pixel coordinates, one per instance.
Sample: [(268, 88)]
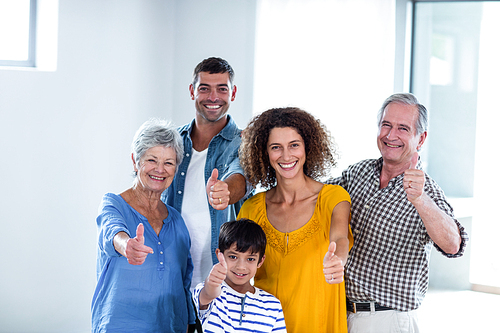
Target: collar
[(224, 283)]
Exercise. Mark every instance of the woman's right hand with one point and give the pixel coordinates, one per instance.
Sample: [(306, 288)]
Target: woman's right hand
[(136, 252), (333, 267), (132, 248)]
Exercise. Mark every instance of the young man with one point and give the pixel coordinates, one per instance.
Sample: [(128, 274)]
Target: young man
[(227, 301), (398, 214), (209, 182)]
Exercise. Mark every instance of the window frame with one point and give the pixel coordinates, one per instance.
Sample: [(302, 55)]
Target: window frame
[(31, 61)]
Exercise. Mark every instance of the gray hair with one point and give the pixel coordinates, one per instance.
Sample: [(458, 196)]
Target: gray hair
[(157, 132), (407, 99)]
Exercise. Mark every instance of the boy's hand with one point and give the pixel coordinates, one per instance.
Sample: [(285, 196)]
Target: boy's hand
[(218, 272), (212, 287), (333, 267)]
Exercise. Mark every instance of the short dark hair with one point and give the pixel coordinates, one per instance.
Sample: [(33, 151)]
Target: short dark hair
[(213, 65), (246, 234)]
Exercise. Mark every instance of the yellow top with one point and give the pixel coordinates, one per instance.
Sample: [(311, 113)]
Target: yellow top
[(293, 269)]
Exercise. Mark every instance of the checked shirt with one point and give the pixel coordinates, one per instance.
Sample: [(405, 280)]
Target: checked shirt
[(389, 262)]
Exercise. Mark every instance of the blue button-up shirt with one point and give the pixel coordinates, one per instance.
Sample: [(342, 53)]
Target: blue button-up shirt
[(222, 154), (152, 297)]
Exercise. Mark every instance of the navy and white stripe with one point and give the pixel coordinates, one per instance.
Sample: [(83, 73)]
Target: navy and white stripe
[(261, 311)]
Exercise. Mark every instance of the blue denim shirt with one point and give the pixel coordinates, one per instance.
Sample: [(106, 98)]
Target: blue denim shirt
[(223, 155)]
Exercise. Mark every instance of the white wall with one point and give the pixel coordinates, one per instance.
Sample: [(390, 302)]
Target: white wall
[(65, 135), (334, 59), (65, 138), (223, 29)]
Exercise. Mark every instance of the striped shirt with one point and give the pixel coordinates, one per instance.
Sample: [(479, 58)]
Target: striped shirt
[(389, 261), (236, 312)]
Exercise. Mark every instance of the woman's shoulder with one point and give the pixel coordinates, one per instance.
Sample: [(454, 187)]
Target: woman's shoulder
[(112, 199), (333, 193), (335, 190), (256, 199), (253, 206)]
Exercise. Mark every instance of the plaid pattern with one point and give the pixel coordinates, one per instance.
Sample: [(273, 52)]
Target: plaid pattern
[(389, 262)]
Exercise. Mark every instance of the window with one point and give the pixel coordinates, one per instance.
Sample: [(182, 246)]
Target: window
[(17, 33), (455, 73)]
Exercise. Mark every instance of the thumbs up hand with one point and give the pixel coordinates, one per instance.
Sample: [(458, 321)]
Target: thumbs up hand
[(333, 267), (218, 272), (414, 180), (213, 282), (217, 191), (135, 251)]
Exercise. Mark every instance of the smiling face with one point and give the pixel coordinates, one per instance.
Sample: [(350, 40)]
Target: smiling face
[(212, 94), (286, 151), (397, 136), (156, 169), (241, 267)]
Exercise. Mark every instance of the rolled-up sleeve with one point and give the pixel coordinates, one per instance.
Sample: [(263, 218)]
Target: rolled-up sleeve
[(109, 222)]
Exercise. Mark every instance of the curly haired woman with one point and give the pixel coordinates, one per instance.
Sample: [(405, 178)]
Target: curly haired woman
[(286, 151)]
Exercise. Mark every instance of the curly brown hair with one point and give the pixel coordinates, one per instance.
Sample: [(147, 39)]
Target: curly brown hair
[(320, 147)]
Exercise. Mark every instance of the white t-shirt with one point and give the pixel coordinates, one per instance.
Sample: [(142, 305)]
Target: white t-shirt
[(196, 215)]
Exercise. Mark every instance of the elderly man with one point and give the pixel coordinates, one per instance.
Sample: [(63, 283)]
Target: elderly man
[(398, 213)]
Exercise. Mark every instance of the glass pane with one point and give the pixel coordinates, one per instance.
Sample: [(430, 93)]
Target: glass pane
[(455, 73), (14, 29)]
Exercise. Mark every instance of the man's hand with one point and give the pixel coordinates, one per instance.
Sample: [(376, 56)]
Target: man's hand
[(414, 181), (333, 267), (442, 229), (135, 251), (217, 191)]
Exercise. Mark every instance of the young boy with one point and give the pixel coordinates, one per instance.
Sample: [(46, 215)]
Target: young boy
[(226, 301)]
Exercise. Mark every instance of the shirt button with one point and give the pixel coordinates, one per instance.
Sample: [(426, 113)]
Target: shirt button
[(179, 192), (159, 243), (187, 154), (161, 262), (182, 173), (161, 252)]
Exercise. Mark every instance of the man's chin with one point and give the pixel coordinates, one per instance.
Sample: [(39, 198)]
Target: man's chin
[(216, 118)]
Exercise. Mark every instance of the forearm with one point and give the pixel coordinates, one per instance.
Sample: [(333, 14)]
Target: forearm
[(342, 248), (120, 242), (207, 295), (236, 184), (441, 228), (339, 229)]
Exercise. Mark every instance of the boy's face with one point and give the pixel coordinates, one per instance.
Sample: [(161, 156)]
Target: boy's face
[(241, 267)]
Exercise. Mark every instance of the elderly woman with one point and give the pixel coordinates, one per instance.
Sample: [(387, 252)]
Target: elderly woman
[(306, 222), (144, 266)]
